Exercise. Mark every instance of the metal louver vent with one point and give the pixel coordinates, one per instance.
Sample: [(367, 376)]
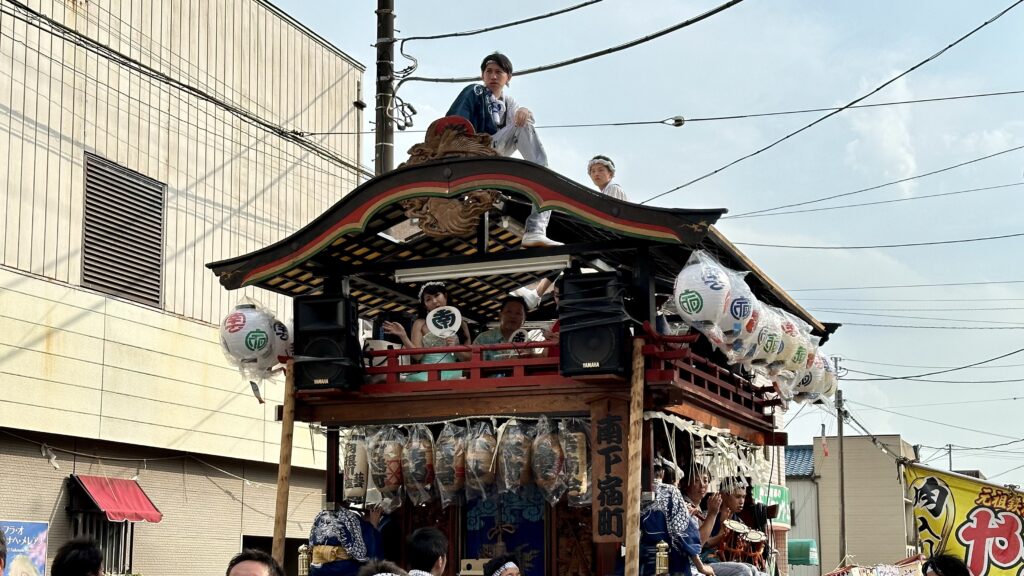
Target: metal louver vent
[(123, 233)]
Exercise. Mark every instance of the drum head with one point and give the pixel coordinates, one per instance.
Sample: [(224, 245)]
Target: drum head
[(755, 536), (444, 321), (736, 526)]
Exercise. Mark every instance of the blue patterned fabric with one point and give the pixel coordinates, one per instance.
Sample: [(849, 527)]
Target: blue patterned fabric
[(523, 519)]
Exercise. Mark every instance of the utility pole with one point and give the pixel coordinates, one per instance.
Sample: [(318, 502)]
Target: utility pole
[(384, 130), (950, 448), (840, 416)]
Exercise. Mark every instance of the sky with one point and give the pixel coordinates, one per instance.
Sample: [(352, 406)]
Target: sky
[(759, 57)]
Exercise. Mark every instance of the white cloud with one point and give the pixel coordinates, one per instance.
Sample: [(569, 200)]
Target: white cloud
[(883, 143)]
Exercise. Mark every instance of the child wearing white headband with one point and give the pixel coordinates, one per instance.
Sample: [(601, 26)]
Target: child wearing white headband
[(602, 172), (502, 566)]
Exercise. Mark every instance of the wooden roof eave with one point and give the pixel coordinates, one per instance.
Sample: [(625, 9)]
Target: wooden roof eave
[(542, 187)]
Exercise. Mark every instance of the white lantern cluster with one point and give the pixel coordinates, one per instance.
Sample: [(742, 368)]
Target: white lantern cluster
[(254, 341), (718, 302)]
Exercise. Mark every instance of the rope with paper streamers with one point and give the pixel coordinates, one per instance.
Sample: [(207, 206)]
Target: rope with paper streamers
[(716, 449)]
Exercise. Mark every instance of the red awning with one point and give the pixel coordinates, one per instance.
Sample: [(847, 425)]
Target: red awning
[(120, 499)]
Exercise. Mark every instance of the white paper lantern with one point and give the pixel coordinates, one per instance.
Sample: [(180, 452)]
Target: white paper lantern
[(246, 336), (769, 337), (738, 309), (282, 340), (702, 293)]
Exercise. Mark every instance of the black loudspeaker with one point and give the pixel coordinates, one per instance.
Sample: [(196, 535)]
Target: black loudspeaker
[(592, 320), (326, 340)]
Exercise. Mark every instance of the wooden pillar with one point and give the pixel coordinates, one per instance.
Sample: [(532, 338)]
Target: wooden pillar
[(633, 452), (284, 467), (331, 495)]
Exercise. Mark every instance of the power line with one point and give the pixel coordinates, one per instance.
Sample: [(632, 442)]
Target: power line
[(1005, 381), (936, 422), (905, 317), (957, 403), (834, 112), (932, 327), (677, 121), (870, 247), (928, 367), (956, 368), (763, 214), (497, 27), (592, 55), (943, 284), (910, 299), (870, 188), (998, 309), (1006, 471)]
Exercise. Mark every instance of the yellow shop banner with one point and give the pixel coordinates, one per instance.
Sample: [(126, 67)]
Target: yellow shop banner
[(979, 522)]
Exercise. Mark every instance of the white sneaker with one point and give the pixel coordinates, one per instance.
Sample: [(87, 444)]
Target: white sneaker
[(529, 295), (536, 239)]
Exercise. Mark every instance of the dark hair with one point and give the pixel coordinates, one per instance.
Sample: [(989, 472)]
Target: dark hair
[(78, 557), (254, 555), (3, 549), (658, 469), (606, 159), (494, 563), (430, 288), (500, 59), (697, 471), (381, 567), (945, 565), (670, 476), (426, 545), (509, 299)]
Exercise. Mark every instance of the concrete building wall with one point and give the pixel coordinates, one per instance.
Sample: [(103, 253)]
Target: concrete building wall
[(876, 522), (803, 494), (76, 361), (208, 503)]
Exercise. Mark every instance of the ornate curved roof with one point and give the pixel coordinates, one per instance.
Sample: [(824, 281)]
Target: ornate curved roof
[(350, 239)]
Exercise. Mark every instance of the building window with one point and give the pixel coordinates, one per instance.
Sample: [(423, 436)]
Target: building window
[(116, 539), (123, 232)]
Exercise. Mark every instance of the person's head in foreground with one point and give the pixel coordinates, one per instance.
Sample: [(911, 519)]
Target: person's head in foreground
[(78, 557), (251, 562), (507, 565)]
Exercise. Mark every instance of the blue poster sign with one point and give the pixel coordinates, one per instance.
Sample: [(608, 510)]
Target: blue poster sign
[(26, 547)]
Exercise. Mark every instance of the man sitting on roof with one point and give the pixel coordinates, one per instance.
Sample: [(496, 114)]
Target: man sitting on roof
[(510, 320), (510, 125)]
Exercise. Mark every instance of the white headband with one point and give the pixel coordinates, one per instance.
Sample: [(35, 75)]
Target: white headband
[(504, 567), (428, 285), (606, 163)]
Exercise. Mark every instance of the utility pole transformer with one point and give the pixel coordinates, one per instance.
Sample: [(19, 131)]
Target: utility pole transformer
[(384, 129)]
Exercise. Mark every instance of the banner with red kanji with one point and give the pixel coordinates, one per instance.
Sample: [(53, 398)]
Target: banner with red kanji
[(980, 522)]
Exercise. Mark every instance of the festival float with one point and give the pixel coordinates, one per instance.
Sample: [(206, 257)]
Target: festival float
[(512, 446)]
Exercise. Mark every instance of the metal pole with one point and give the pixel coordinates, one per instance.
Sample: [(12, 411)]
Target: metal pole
[(840, 414), (384, 132), (950, 447)]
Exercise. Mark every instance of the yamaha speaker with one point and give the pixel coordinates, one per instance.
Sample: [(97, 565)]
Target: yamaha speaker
[(326, 340), (593, 332)]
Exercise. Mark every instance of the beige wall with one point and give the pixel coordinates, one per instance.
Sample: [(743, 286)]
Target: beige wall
[(804, 496), (231, 187), (73, 361), (876, 530), (205, 511)]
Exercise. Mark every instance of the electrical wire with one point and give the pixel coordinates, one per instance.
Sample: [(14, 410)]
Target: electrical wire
[(936, 422), (1006, 472), (905, 317), (834, 112), (592, 55), (910, 299), (876, 203), (928, 367), (870, 188), (944, 284), (866, 324), (954, 369), (957, 403), (876, 246), (1006, 381), (917, 309), (496, 27), (672, 121)]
